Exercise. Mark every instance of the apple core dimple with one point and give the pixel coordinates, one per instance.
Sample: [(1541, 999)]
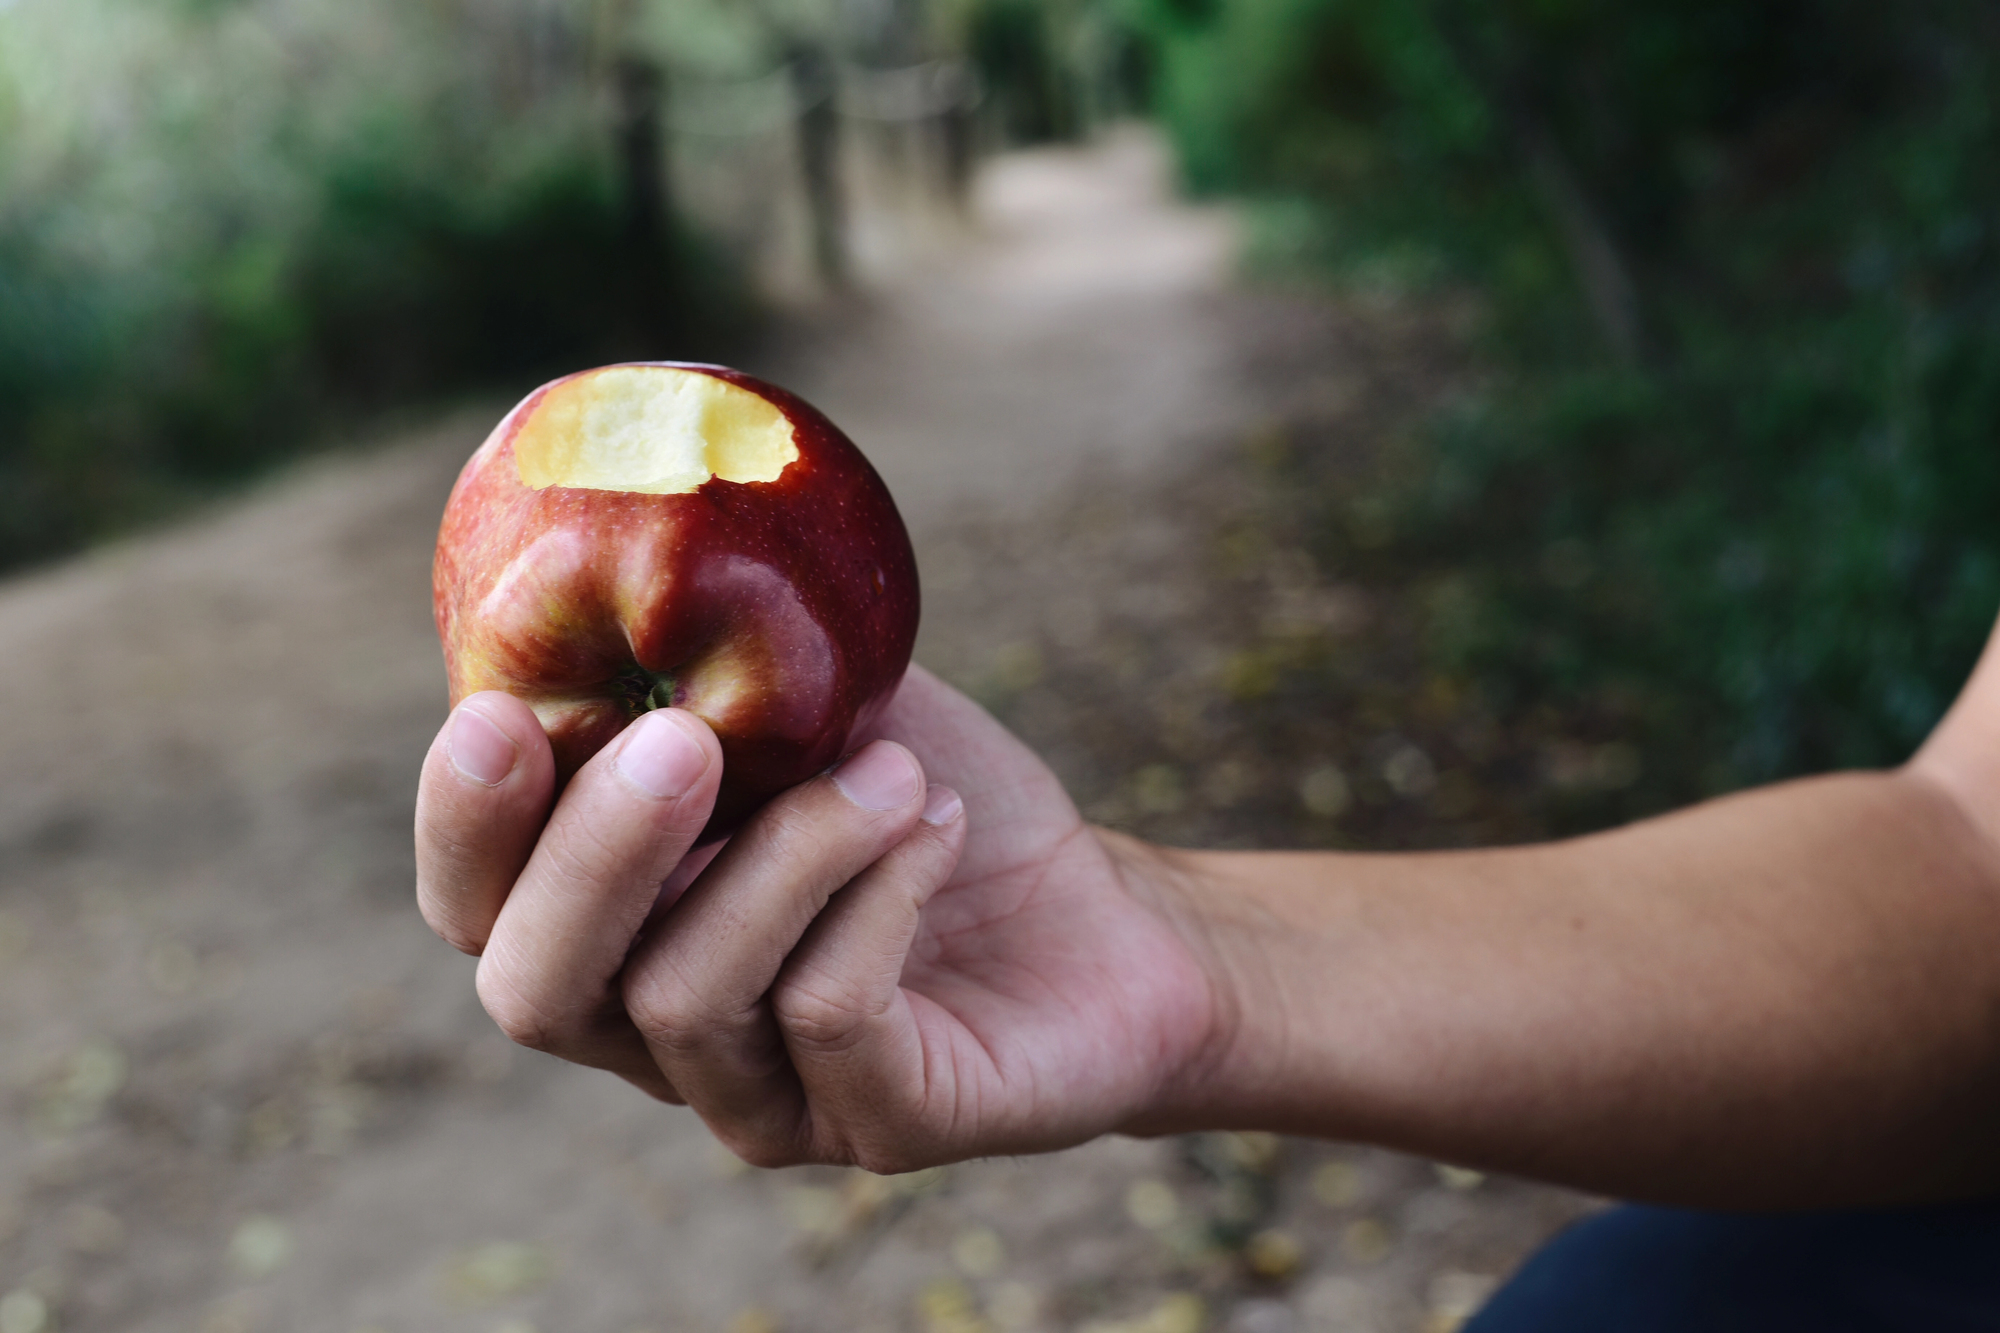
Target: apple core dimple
[(656, 430)]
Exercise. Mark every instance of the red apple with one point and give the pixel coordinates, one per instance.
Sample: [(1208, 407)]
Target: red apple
[(659, 533)]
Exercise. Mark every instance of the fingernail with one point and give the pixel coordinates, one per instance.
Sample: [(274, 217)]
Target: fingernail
[(480, 750), (659, 756), (877, 777), (942, 806)]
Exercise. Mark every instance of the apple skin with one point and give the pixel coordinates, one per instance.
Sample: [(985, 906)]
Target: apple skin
[(783, 612)]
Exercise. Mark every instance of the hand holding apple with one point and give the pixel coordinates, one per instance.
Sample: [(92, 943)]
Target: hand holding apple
[(872, 971), (658, 534)]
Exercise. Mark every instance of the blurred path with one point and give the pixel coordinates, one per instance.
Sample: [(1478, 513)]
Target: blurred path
[(245, 1090), (1076, 329)]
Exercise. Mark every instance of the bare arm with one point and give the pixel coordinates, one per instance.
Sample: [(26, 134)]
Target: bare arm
[(1786, 997)]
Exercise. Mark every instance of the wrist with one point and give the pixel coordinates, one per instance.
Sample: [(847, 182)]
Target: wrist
[(1213, 1077)]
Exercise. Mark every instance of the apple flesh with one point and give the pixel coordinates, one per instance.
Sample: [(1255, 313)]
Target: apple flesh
[(657, 534)]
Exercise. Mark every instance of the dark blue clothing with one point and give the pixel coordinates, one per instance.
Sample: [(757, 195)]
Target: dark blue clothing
[(1668, 1270)]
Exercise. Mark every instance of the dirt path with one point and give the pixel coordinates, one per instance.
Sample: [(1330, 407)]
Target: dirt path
[(245, 1090), (1076, 331)]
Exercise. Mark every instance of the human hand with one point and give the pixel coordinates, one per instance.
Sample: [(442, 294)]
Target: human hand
[(872, 971)]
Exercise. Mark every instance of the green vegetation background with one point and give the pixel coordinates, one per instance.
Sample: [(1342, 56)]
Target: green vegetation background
[(1732, 473), (232, 229)]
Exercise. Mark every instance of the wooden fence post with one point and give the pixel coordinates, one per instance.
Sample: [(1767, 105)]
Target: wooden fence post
[(642, 150), (639, 85), (819, 160)]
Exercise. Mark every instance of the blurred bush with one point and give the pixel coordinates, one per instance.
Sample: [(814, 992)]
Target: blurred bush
[(1737, 453), (228, 226)]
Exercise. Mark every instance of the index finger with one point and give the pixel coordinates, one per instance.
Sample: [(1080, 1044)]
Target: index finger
[(485, 793), (549, 976)]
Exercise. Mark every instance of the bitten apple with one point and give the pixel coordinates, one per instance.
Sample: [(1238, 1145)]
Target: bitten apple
[(660, 533)]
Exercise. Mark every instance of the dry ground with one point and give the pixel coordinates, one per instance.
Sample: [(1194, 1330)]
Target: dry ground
[(241, 1087)]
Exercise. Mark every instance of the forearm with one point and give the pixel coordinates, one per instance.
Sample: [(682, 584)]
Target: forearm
[(1788, 997)]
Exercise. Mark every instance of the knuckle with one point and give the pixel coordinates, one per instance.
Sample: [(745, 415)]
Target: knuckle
[(525, 1025), (463, 941), (674, 1031), (768, 1154), (879, 1159), (818, 1013), (525, 1022), (448, 926), (673, 1017)]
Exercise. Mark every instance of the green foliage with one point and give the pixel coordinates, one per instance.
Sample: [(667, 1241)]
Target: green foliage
[(229, 226), (1010, 42), (1739, 450), (1052, 69)]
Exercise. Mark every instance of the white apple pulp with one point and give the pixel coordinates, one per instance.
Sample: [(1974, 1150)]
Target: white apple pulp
[(656, 430)]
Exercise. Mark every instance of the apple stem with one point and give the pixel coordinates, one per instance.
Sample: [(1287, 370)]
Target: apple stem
[(644, 690)]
